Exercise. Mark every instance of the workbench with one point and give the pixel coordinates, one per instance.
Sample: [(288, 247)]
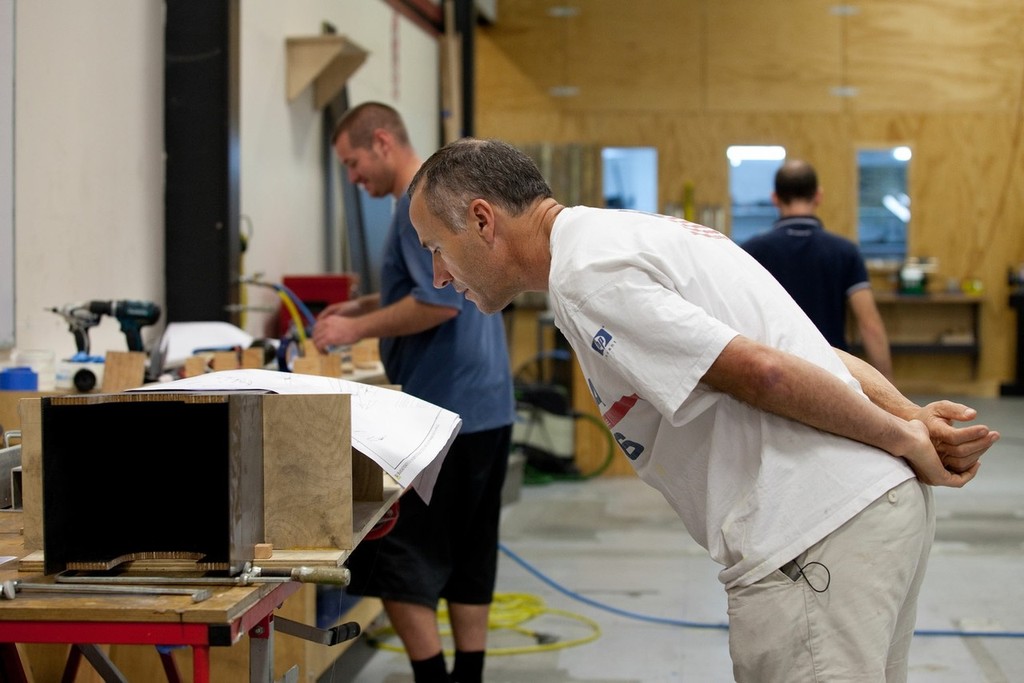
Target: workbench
[(170, 620)]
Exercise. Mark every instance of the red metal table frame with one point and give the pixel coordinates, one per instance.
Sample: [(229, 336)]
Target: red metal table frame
[(257, 621)]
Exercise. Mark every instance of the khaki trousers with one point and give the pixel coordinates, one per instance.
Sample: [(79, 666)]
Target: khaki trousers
[(851, 622)]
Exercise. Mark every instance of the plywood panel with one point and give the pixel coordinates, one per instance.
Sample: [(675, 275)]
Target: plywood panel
[(611, 47), (607, 49), (773, 56), (938, 55)]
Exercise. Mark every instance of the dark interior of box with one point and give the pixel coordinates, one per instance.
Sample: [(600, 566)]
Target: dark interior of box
[(148, 479)]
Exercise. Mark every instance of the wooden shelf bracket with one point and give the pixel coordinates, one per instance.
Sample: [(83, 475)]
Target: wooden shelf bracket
[(326, 61)]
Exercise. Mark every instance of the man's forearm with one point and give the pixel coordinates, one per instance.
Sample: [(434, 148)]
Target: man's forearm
[(368, 303), (781, 383), (879, 389), (404, 317), (877, 351)]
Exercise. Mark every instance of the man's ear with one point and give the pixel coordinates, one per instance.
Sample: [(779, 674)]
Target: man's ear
[(481, 216), (382, 138)]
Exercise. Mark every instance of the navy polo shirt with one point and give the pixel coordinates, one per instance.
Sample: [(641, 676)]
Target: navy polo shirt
[(820, 270)]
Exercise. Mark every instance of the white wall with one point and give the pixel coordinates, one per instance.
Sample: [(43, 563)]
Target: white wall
[(89, 158), (286, 208), (6, 174), (88, 174)]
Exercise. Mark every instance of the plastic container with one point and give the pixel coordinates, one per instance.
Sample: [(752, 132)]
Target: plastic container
[(44, 364), (19, 378)]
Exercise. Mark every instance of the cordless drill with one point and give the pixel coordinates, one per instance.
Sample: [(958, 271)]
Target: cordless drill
[(79, 319), (133, 316)]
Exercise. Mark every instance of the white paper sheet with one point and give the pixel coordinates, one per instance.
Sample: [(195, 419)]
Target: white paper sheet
[(407, 436)]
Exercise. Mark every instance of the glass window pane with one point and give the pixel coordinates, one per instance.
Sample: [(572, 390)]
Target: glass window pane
[(883, 205), (630, 178), (751, 183)]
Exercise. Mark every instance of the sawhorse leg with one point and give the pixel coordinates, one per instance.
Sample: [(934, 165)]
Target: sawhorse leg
[(261, 654), (201, 663), (11, 670), (100, 661)]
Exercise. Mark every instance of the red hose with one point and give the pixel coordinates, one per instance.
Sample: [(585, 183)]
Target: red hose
[(386, 523)]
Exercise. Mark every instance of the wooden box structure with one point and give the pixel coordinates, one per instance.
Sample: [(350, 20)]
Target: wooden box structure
[(192, 476)]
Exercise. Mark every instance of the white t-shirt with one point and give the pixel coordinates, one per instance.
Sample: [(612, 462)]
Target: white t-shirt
[(648, 303)]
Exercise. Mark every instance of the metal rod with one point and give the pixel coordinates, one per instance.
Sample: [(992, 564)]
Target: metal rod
[(240, 580), (10, 588), (338, 576)]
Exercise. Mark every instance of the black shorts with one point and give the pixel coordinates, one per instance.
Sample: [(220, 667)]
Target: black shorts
[(448, 549)]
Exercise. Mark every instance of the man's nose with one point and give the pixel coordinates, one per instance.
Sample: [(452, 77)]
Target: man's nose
[(441, 275)]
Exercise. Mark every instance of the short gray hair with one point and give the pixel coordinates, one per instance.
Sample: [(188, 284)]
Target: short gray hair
[(472, 168)]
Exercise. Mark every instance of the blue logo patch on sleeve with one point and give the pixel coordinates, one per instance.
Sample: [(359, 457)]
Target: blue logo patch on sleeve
[(601, 340)]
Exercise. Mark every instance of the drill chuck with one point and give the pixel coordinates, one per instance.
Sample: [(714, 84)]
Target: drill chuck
[(133, 316)]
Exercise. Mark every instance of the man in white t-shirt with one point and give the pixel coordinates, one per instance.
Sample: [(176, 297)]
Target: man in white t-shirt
[(801, 469)]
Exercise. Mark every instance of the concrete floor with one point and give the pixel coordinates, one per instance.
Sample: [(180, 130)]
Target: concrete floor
[(614, 571)]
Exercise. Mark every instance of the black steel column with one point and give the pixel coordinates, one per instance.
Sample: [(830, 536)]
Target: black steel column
[(201, 111), (465, 24), (1016, 388)]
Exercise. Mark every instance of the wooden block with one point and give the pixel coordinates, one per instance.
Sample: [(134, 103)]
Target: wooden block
[(263, 551), (367, 482), (9, 401), (307, 365), (194, 366), (307, 470), (123, 370), (309, 348), (330, 365), (252, 358), (32, 473), (366, 353), (225, 360)]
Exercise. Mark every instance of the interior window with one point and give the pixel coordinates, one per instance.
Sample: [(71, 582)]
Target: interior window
[(883, 204), (751, 183), (630, 178)]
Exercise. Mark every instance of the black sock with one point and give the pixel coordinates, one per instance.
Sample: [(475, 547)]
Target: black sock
[(469, 667), (431, 670)]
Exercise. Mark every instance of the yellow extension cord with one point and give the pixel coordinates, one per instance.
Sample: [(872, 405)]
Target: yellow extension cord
[(509, 611), (300, 326)]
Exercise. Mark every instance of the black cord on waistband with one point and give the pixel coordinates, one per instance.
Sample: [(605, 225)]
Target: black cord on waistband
[(828, 576)]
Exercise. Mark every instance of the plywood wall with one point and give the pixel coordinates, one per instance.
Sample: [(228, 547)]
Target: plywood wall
[(691, 77)]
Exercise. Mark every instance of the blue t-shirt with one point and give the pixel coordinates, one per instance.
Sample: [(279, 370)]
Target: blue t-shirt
[(461, 365), (820, 270)]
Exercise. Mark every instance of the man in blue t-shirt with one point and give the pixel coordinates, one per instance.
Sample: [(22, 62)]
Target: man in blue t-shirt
[(439, 347), (823, 272)]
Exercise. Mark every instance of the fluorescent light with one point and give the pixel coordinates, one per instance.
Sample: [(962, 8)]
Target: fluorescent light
[(563, 11), (739, 153), (844, 91), (896, 207), (564, 91)]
